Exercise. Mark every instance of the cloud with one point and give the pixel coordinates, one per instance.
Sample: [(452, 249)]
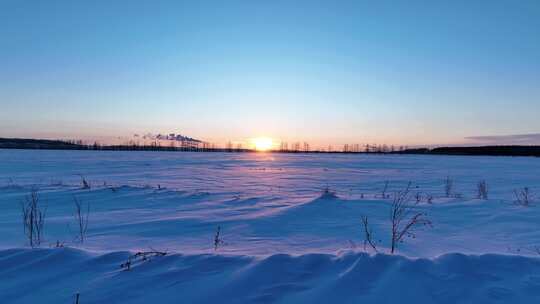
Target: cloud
[(516, 139)]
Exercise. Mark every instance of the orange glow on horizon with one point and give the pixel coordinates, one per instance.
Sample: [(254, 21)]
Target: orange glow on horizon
[(262, 143)]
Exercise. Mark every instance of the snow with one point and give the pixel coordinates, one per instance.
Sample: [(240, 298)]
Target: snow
[(309, 278), (284, 239)]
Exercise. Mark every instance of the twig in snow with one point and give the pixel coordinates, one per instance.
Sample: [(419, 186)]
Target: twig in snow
[(368, 235), (523, 197), (404, 219), (141, 256), (217, 239), (81, 217), (385, 188), (482, 190), (418, 197), (84, 182), (33, 218), (448, 186)]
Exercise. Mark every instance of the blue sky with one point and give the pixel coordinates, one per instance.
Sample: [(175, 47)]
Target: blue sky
[(327, 72)]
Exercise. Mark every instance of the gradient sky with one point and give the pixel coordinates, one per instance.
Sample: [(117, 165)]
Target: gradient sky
[(327, 72)]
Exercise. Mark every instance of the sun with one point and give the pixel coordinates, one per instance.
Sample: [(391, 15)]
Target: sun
[(262, 143)]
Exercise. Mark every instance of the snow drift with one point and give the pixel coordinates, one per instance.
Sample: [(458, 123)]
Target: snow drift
[(56, 275)]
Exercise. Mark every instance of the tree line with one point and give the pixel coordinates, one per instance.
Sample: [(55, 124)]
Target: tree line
[(284, 147)]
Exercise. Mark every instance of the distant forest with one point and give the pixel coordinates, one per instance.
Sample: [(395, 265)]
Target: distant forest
[(197, 146)]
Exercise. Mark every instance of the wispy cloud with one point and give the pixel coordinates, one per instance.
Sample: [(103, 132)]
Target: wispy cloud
[(516, 139)]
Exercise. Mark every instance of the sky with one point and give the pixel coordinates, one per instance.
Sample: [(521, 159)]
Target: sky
[(325, 72)]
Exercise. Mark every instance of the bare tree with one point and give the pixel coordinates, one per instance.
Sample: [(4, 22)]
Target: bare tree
[(404, 218), (448, 186), (368, 235), (523, 197), (81, 218), (33, 219), (482, 190)]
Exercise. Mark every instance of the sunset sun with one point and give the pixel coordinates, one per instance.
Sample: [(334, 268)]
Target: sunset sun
[(262, 143)]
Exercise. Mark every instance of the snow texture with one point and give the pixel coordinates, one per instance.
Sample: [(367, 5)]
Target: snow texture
[(290, 228)]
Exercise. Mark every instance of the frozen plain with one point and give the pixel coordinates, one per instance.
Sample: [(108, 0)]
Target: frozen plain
[(284, 239)]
